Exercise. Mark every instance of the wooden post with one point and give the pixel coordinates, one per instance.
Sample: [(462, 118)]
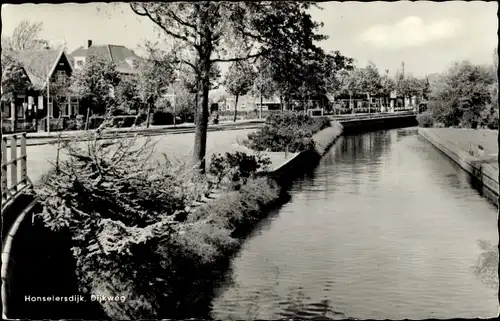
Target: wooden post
[(13, 116), (24, 167), (13, 157)]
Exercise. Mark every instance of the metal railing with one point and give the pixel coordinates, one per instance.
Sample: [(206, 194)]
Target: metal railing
[(13, 184)]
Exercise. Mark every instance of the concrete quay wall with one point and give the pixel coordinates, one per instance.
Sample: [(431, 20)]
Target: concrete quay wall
[(482, 170)]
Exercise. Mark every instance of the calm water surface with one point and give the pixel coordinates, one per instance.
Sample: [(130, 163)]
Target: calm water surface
[(386, 227)]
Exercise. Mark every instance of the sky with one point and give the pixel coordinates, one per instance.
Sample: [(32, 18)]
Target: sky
[(426, 36)]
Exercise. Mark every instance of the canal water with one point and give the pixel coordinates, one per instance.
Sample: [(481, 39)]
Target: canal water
[(386, 227)]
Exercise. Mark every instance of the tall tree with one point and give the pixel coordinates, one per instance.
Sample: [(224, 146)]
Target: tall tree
[(350, 83), (14, 80), (461, 94), (26, 36), (334, 64), (387, 87), (155, 74), (94, 84), (370, 82), (207, 30), (263, 85), (239, 81)]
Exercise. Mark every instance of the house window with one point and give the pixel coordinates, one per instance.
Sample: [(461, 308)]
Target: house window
[(61, 78), (65, 108), (51, 107), (5, 110), (74, 105), (20, 111), (79, 63)]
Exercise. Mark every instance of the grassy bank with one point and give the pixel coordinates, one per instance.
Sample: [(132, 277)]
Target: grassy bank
[(134, 233)]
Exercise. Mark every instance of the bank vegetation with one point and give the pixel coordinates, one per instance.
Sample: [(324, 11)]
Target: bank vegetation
[(153, 230)]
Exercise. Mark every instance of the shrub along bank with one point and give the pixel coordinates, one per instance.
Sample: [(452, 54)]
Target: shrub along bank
[(134, 232), (287, 131)]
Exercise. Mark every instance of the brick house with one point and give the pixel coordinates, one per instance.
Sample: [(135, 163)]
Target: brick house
[(31, 104), (126, 60)]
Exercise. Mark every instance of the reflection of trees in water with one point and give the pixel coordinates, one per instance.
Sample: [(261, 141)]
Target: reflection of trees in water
[(295, 306), (486, 267)]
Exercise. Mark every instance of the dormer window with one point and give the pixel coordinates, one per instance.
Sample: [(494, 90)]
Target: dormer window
[(79, 63)]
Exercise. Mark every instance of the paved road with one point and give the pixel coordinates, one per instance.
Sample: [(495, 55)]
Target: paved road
[(41, 157)]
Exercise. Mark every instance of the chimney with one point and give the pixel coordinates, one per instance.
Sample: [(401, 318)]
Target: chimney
[(89, 44)]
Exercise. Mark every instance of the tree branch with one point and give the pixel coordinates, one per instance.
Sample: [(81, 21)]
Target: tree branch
[(256, 55), (146, 13)]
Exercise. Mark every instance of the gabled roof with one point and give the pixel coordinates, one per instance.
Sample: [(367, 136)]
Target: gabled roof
[(115, 53), (39, 64)]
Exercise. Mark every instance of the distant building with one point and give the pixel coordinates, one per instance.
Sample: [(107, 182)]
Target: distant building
[(125, 59), (31, 103)]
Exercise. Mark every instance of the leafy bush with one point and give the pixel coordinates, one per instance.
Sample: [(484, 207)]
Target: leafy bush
[(122, 210), (162, 117), (233, 170), (287, 131), (236, 211), (116, 121), (425, 119)]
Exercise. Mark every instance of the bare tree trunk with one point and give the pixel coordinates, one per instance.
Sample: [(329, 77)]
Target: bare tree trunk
[(148, 115), (261, 100), (350, 103), (369, 104), (87, 118), (281, 102), (200, 135), (236, 108)]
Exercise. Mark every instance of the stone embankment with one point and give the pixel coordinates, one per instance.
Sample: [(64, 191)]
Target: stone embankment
[(476, 151)]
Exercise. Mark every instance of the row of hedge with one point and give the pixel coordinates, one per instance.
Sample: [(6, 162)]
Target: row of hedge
[(287, 131), (133, 232), (488, 119)]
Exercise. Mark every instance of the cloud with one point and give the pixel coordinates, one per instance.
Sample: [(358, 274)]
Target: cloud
[(410, 32)]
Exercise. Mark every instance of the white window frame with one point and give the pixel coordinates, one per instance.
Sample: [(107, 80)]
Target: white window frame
[(61, 78), (75, 104)]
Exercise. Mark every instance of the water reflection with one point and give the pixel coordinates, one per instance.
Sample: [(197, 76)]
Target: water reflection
[(486, 267), (386, 227)]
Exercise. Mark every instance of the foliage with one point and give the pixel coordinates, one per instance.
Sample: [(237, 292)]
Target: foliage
[(162, 117), (95, 83), (120, 208), (236, 211), (207, 32), (263, 84), (14, 78), (334, 65), (287, 131), (425, 119), (462, 94), (233, 170), (155, 74), (239, 80), (127, 94), (26, 36), (131, 230)]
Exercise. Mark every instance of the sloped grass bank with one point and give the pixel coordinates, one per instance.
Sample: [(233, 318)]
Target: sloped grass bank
[(134, 234)]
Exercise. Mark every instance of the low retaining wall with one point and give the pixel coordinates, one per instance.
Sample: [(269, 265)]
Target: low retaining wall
[(386, 122), (307, 160), (483, 172)]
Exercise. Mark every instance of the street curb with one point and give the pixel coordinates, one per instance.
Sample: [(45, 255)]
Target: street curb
[(125, 134)]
